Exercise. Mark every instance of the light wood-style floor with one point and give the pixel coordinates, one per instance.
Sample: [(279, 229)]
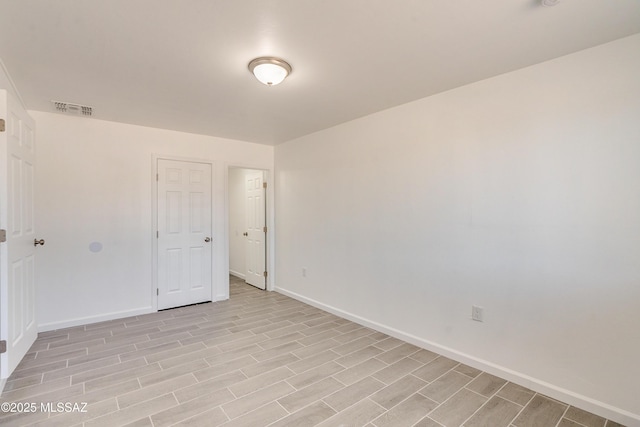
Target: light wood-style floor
[(260, 359)]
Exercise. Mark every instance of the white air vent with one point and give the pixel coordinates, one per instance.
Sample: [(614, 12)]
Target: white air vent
[(74, 109)]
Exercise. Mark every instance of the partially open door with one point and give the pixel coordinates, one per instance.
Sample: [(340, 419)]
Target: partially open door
[(256, 233), (18, 327)]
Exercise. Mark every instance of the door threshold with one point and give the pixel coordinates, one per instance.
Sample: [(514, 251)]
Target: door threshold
[(187, 305)]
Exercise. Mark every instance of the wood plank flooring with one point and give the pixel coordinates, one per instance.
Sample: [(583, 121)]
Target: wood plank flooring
[(260, 359)]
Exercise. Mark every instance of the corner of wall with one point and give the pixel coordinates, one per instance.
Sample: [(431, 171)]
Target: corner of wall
[(6, 82)]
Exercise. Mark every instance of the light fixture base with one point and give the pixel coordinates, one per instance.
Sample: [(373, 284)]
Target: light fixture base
[(270, 70)]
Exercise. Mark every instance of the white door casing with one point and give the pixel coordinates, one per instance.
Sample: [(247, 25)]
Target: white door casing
[(18, 326), (184, 233), (255, 229)]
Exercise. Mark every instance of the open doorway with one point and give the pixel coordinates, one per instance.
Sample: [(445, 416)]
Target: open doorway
[(248, 226)]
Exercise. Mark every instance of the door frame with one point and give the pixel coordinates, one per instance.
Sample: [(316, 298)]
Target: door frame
[(215, 266), (220, 229), (270, 220)]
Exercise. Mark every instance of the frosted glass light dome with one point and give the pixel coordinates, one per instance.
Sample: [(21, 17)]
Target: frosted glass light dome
[(270, 71)]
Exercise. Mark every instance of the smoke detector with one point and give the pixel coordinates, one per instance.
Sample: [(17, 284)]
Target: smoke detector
[(73, 109), (549, 2)]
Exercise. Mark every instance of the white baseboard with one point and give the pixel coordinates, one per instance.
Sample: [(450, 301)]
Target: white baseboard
[(579, 401), (237, 274), (44, 327)]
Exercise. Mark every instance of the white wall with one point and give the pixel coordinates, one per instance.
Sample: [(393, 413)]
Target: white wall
[(94, 183), (520, 193), (6, 83)]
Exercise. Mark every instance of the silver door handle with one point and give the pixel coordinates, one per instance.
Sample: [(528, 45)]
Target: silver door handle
[(207, 239), (37, 242)]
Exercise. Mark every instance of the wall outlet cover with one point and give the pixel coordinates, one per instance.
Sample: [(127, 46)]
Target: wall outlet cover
[(477, 313)]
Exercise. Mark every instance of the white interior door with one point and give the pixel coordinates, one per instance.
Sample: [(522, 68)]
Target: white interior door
[(184, 233), (255, 230), (17, 255)]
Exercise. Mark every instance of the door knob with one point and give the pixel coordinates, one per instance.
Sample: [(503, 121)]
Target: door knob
[(207, 239), (37, 242), (245, 234)]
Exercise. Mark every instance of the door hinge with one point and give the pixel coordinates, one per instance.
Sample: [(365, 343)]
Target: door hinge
[(157, 177), (157, 234), (3, 346), (264, 229), (2, 125), (265, 274), (3, 236), (264, 185), (157, 292)]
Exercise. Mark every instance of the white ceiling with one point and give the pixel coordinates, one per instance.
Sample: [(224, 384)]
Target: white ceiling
[(182, 64)]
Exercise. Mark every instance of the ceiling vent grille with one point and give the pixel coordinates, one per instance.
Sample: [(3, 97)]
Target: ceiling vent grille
[(74, 109)]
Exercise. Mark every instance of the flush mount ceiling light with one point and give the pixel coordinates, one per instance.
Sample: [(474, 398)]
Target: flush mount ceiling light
[(270, 70), (549, 2)]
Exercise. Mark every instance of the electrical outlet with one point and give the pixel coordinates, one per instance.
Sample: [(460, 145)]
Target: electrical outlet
[(477, 313), (304, 271)]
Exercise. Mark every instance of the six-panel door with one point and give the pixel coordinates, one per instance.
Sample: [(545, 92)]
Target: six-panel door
[(184, 233), (17, 255), (255, 223)]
